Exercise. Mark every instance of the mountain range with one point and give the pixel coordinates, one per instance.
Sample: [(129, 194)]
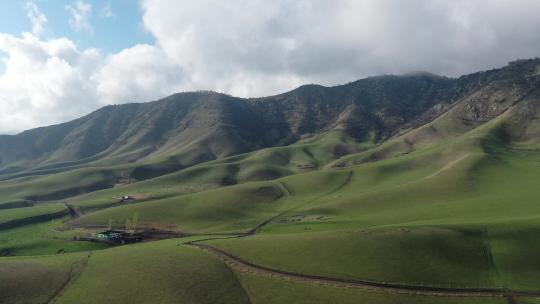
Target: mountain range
[(219, 125), (387, 115)]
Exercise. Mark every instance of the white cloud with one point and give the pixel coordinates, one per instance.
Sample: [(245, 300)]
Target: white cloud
[(81, 12), (37, 18), (48, 82), (140, 73), (44, 82), (106, 12), (251, 46), (256, 47)]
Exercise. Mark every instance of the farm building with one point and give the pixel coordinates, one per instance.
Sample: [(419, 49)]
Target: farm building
[(110, 235), (118, 236)]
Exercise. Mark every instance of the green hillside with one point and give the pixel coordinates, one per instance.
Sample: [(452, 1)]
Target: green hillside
[(172, 275)]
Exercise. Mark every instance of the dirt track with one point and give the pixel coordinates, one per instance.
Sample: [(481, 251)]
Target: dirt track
[(242, 265), (74, 274), (74, 211)]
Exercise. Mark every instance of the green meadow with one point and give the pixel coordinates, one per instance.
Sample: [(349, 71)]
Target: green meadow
[(269, 290)]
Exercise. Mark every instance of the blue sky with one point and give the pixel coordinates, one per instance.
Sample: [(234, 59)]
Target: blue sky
[(110, 33)]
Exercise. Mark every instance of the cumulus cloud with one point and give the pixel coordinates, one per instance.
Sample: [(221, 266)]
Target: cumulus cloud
[(47, 82), (140, 73), (44, 82), (254, 48), (81, 12), (37, 18)]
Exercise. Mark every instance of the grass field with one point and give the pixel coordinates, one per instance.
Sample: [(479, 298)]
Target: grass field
[(432, 256), (468, 224), (270, 290), (101, 177), (36, 279), (158, 272), (223, 210), (10, 218), (42, 239)]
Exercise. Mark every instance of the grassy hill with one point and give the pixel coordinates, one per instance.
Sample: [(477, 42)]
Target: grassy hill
[(173, 275), (36, 279)]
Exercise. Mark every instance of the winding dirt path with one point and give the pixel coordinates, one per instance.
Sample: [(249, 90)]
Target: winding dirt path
[(73, 275), (242, 265), (289, 194), (74, 211), (345, 183), (447, 166), (286, 192)]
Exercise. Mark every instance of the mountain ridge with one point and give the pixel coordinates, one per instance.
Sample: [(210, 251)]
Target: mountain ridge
[(202, 126)]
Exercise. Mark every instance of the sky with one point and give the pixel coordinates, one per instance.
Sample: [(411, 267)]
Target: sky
[(61, 59)]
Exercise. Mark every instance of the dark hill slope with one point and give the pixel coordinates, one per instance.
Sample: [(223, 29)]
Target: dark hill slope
[(190, 128), (508, 99), (203, 126)]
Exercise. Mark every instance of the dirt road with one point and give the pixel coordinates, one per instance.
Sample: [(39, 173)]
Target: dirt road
[(242, 265), (74, 211)]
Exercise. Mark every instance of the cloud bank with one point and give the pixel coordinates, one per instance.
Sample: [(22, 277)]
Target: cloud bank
[(256, 47)]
